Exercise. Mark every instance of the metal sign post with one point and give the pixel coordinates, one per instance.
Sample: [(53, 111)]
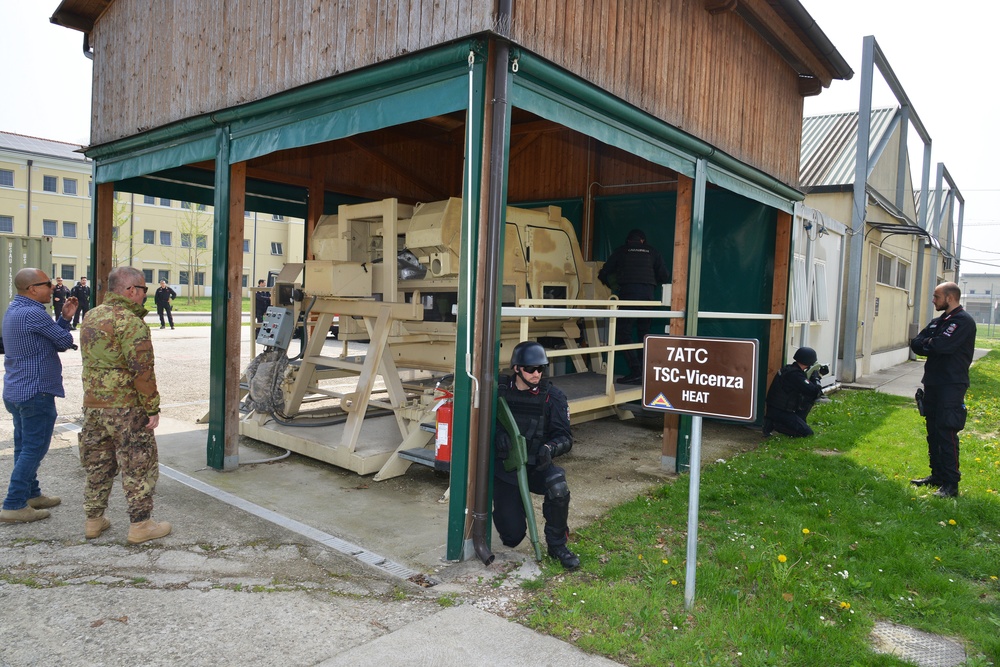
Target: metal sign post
[(703, 377)]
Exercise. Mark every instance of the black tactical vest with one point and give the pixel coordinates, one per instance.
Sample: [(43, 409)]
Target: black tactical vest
[(778, 395), (528, 410)]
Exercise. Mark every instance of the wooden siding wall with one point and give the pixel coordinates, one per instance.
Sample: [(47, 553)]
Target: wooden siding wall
[(160, 62), (710, 75)]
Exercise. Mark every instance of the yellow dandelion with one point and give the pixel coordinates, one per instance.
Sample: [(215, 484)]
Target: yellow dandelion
[(782, 558), (952, 522), (978, 459), (673, 582), (937, 558), (993, 577), (845, 605), (640, 556), (805, 531), (664, 561)]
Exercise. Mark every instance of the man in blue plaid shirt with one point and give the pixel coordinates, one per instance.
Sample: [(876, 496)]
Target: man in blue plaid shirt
[(32, 380)]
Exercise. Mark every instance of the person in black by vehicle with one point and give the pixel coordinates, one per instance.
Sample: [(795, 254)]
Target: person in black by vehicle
[(635, 269), (82, 293), (792, 395), (263, 300), (59, 295), (948, 342), (542, 415), (162, 298)]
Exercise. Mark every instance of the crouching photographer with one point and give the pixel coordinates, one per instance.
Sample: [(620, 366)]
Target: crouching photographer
[(792, 394)]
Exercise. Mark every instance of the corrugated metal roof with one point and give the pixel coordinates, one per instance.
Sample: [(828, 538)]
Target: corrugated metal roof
[(830, 144), (947, 231), (36, 146)]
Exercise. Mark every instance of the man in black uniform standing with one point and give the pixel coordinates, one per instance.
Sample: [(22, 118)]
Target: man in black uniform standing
[(792, 395), (162, 298), (82, 293), (59, 295), (948, 342), (263, 301), (637, 269), (542, 416)]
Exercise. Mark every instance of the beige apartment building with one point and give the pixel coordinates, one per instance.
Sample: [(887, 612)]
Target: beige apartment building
[(46, 189)]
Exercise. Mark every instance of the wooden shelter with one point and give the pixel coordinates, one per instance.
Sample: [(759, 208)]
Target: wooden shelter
[(678, 116)]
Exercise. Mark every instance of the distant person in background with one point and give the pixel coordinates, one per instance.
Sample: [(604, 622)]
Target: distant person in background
[(792, 394), (59, 295), (32, 380), (82, 293), (948, 342), (634, 270), (164, 295), (263, 300)]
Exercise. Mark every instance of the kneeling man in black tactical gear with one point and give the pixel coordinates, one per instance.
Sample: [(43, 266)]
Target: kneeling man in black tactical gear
[(792, 394), (542, 416)]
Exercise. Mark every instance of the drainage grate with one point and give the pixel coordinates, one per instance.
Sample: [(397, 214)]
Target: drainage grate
[(335, 543), (921, 648)]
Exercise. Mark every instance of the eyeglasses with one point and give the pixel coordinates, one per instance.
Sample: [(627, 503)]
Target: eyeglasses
[(47, 283), (142, 287), (532, 369)]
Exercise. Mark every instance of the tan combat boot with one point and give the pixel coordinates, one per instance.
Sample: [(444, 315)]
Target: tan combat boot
[(44, 502), (144, 531), (94, 527), (23, 515)]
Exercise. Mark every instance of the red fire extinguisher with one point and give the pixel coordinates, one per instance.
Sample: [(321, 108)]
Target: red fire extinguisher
[(444, 412)]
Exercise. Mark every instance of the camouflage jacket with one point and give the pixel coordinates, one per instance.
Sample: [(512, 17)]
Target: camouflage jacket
[(118, 357)]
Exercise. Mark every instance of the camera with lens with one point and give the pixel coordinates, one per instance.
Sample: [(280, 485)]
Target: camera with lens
[(824, 370)]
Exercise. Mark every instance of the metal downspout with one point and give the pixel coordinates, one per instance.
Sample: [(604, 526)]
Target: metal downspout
[(494, 222), (28, 201)]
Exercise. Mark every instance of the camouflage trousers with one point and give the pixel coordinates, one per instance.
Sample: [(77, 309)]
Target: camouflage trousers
[(113, 440)]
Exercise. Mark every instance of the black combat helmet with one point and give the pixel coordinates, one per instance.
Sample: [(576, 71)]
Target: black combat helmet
[(528, 353), (805, 355)]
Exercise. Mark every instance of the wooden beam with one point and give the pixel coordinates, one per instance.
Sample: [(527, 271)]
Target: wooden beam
[(317, 192), (234, 308), (103, 233), (678, 291), (779, 292), (390, 164)]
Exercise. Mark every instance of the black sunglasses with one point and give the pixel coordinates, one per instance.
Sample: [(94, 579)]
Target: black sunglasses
[(47, 282), (533, 369), (142, 287)]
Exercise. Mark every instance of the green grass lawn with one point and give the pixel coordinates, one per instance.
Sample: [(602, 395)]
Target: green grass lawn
[(201, 304), (803, 546)]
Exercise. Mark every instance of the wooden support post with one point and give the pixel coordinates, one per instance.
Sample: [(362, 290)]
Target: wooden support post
[(678, 296), (103, 240), (779, 293), (234, 311), (317, 194)]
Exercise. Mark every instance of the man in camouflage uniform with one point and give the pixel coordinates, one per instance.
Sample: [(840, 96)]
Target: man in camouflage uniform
[(121, 407)]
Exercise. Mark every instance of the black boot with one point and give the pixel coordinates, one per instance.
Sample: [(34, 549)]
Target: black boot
[(947, 491), (930, 480), (569, 560)]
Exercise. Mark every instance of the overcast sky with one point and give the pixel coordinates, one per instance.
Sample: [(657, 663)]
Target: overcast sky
[(940, 52)]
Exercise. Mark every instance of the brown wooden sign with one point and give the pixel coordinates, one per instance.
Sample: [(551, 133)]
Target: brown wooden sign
[(712, 377)]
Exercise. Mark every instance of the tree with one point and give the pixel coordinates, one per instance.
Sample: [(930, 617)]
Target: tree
[(194, 227), (124, 245)]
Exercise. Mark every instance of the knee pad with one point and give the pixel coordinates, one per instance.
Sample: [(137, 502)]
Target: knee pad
[(556, 487)]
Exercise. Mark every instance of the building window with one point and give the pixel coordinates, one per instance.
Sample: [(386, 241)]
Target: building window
[(164, 202), (49, 228), (201, 207), (278, 218), (186, 205), (246, 279), (902, 274), (114, 233), (163, 275), (149, 236), (146, 199), (166, 238), (6, 178), (884, 275), (246, 214), (68, 272), (276, 248), (246, 245), (147, 275), (50, 183), (182, 277), (185, 240), (7, 224), (69, 186), (199, 277), (69, 230), (201, 240)]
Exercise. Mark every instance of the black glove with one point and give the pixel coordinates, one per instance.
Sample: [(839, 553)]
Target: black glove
[(543, 459), (502, 444)]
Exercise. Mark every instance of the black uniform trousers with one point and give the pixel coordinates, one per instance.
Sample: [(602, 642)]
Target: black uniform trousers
[(167, 308), (640, 325), (789, 423), (508, 510), (944, 410)]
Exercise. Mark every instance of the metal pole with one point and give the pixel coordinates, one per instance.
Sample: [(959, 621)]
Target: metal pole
[(989, 332), (694, 466)]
